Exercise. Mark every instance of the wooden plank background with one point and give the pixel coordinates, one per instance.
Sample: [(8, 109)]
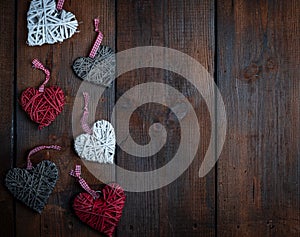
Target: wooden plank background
[(252, 48)]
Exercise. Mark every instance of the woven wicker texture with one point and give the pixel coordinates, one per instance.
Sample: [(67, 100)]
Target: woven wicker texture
[(43, 107), (98, 146), (99, 70), (104, 213), (48, 25), (33, 187)]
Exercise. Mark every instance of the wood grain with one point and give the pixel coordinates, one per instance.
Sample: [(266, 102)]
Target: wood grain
[(7, 68), (186, 206), (252, 48), (258, 185), (139, 23)]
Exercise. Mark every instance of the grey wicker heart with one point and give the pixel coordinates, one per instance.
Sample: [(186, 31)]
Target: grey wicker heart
[(33, 187), (48, 25), (99, 70), (98, 146)]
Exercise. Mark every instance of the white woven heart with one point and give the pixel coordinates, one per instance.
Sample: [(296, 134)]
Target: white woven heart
[(99, 146), (48, 25)]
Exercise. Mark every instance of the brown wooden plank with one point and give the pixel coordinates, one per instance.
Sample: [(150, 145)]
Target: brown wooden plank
[(185, 207), (188, 202), (57, 218), (7, 29), (258, 76), (139, 23)]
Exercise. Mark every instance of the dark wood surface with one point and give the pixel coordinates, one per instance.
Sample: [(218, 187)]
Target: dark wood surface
[(260, 161), (252, 48)]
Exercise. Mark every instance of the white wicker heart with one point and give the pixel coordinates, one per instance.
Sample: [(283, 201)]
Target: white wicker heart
[(48, 25), (98, 146)]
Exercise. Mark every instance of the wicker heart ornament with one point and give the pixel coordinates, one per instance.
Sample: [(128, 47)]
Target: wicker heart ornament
[(43, 105), (48, 23), (101, 210), (104, 213), (99, 67), (99, 70), (99, 146), (33, 185), (97, 143)]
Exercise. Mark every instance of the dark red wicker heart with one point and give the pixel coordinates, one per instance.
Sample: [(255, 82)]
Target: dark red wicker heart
[(104, 213), (43, 107)]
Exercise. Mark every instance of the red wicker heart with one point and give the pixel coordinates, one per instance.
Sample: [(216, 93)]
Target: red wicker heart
[(43, 107), (104, 213)]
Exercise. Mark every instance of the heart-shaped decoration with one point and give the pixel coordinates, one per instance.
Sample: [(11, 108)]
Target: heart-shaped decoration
[(103, 213), (48, 25), (33, 187), (43, 107), (99, 70), (98, 146)]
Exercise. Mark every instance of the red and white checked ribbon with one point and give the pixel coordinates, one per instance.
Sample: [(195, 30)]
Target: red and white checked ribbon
[(37, 64), (98, 40), (60, 4), (77, 174), (85, 115), (37, 149)]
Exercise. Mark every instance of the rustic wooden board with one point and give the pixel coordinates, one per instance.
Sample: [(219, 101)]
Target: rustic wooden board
[(189, 202), (139, 23), (252, 47), (7, 50), (186, 206), (259, 172)]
